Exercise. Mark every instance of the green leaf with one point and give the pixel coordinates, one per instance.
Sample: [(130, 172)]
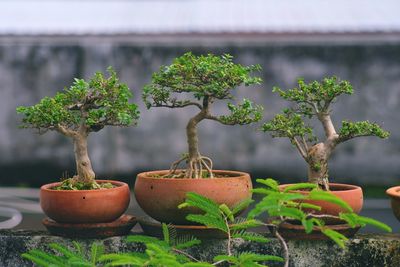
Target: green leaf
[(337, 237), (329, 197), (271, 183), (228, 213), (299, 186), (165, 233)]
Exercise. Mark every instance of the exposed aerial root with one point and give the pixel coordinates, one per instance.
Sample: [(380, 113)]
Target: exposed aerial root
[(196, 168)]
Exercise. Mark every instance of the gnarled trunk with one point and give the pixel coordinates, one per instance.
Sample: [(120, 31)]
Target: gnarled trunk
[(192, 139), (83, 165), (318, 165)]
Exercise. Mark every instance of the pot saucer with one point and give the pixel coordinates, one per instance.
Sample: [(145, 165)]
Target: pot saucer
[(154, 228), (121, 226), (295, 231)]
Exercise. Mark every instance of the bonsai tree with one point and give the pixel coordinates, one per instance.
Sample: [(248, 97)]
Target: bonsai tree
[(311, 101), (83, 108), (207, 78)]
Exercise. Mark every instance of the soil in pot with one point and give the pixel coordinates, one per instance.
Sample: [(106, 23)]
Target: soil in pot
[(160, 197), (85, 206)]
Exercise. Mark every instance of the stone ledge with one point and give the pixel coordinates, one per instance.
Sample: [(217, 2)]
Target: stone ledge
[(364, 250)]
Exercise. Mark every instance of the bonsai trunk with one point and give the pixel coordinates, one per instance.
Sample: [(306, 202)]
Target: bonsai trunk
[(83, 166), (318, 165)]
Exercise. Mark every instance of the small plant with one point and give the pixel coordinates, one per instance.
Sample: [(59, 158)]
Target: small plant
[(65, 256), (208, 78), (282, 204), (314, 100), (83, 108)]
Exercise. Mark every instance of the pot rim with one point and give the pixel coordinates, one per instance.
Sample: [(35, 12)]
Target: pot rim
[(237, 174), (119, 184), (343, 187), (393, 191)]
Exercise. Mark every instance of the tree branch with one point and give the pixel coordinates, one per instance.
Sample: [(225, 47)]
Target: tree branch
[(299, 148), (329, 129), (65, 131), (173, 105)]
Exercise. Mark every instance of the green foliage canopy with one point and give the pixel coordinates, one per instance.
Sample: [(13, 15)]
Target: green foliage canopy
[(94, 104), (206, 78)]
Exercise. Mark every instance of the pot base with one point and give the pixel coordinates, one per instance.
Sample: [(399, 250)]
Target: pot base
[(295, 231), (121, 226), (153, 228)]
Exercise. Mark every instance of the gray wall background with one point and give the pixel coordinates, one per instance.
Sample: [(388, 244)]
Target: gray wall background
[(30, 71)]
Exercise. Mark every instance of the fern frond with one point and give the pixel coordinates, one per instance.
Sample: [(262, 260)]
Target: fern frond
[(62, 249), (250, 236), (203, 203), (96, 251), (42, 258), (185, 241), (337, 237), (208, 221)]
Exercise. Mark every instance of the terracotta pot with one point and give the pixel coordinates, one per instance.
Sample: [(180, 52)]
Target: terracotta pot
[(85, 206), (351, 194), (394, 194), (160, 197)]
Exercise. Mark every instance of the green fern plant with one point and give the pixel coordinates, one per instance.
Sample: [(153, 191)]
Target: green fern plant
[(65, 257), (165, 252), (280, 204), (285, 205)]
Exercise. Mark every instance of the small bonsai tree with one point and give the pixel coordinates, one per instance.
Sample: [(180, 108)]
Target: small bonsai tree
[(314, 100), (83, 108), (208, 78)]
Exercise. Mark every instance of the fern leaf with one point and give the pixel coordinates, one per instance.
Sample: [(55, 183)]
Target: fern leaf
[(208, 221), (197, 264), (246, 256), (63, 250), (165, 231), (250, 236), (227, 211), (246, 224), (329, 197), (186, 241), (271, 183), (309, 206), (37, 260), (241, 206), (203, 203), (299, 186), (44, 259), (96, 251), (78, 248), (337, 237)]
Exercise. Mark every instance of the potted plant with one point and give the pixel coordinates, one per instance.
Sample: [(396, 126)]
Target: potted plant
[(208, 78), (76, 112), (313, 101)]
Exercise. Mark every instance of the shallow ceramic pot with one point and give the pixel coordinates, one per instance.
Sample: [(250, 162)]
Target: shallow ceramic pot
[(394, 194), (351, 194), (160, 197), (85, 206)]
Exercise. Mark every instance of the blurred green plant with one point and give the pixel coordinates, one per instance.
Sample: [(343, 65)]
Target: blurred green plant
[(282, 205), (314, 100), (85, 107)]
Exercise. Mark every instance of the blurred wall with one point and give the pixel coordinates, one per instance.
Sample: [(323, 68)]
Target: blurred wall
[(32, 70)]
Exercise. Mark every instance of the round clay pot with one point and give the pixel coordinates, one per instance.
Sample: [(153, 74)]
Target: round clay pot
[(85, 206), (160, 197), (394, 194), (351, 194)]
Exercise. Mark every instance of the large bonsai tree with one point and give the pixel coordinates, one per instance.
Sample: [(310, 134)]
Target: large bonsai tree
[(314, 100), (208, 78), (83, 108)]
